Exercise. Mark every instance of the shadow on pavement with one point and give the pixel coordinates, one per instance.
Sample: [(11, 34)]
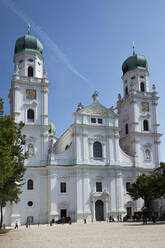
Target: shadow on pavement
[(141, 224), (4, 231)]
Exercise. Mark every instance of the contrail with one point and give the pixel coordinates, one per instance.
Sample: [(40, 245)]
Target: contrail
[(47, 40)]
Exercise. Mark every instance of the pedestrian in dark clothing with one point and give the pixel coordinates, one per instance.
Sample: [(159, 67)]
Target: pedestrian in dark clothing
[(16, 225), (153, 218)]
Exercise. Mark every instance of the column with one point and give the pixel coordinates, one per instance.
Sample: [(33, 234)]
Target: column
[(106, 209), (104, 151), (93, 210), (44, 109), (17, 103), (120, 193), (53, 195), (90, 148), (85, 147), (116, 147), (80, 196), (156, 139)]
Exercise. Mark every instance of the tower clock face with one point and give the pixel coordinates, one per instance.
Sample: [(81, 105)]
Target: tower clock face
[(30, 94), (145, 106)]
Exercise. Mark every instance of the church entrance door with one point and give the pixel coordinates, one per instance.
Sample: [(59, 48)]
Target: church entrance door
[(129, 212), (63, 213), (99, 210)]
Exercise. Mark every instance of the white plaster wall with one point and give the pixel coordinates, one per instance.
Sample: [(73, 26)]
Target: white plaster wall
[(21, 60), (38, 196)]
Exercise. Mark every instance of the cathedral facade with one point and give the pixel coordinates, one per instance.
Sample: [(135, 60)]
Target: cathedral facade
[(85, 173)]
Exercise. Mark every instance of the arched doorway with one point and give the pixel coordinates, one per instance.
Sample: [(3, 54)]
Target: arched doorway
[(130, 209), (99, 210)]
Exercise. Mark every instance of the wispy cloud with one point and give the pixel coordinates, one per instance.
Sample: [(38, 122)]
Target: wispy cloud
[(44, 36)]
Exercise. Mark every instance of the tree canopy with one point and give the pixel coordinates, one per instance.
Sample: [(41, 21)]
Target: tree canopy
[(12, 158), (149, 187)]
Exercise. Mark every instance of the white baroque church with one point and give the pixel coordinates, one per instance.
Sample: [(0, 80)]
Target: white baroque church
[(84, 173)]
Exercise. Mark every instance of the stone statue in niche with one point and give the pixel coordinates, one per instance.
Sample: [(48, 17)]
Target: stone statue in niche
[(30, 150), (17, 70), (45, 73), (148, 154)]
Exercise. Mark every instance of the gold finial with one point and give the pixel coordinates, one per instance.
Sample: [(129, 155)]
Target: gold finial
[(133, 47), (28, 28)]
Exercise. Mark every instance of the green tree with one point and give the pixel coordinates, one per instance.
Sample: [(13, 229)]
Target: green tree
[(159, 181), (143, 187), (149, 187), (12, 158)]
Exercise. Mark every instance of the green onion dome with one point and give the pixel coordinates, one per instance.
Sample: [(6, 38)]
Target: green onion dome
[(52, 128), (28, 42), (134, 62)]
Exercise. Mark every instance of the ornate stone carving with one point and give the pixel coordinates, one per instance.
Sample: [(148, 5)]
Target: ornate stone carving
[(147, 154), (45, 74), (30, 150), (119, 97), (147, 145), (153, 87), (147, 116), (16, 70), (96, 110), (95, 96), (96, 138), (79, 106)]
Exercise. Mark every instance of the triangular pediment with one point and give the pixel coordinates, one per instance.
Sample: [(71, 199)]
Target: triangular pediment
[(95, 109)]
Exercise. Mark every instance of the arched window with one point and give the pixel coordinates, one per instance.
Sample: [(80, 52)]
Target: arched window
[(126, 129), (126, 90), (30, 71), (30, 184), (142, 88), (97, 150), (147, 154), (30, 115), (145, 125)]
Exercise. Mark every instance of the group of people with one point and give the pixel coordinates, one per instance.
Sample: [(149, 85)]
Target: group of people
[(111, 219), (145, 217)]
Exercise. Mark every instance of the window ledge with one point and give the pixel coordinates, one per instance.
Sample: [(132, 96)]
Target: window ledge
[(63, 194), (97, 158)]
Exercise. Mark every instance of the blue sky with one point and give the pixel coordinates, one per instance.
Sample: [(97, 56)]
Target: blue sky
[(85, 43)]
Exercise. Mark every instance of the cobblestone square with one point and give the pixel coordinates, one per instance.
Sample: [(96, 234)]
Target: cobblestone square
[(97, 235)]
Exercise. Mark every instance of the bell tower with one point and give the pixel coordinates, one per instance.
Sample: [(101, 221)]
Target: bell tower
[(29, 97), (137, 109)]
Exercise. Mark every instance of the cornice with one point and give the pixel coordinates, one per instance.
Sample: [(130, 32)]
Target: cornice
[(115, 168), (39, 82), (25, 52), (131, 98), (76, 125), (146, 134), (45, 127)]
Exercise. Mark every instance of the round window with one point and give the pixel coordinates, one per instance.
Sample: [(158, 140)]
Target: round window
[(30, 203)]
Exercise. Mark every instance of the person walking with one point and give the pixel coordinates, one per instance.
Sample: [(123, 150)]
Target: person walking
[(16, 224)]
